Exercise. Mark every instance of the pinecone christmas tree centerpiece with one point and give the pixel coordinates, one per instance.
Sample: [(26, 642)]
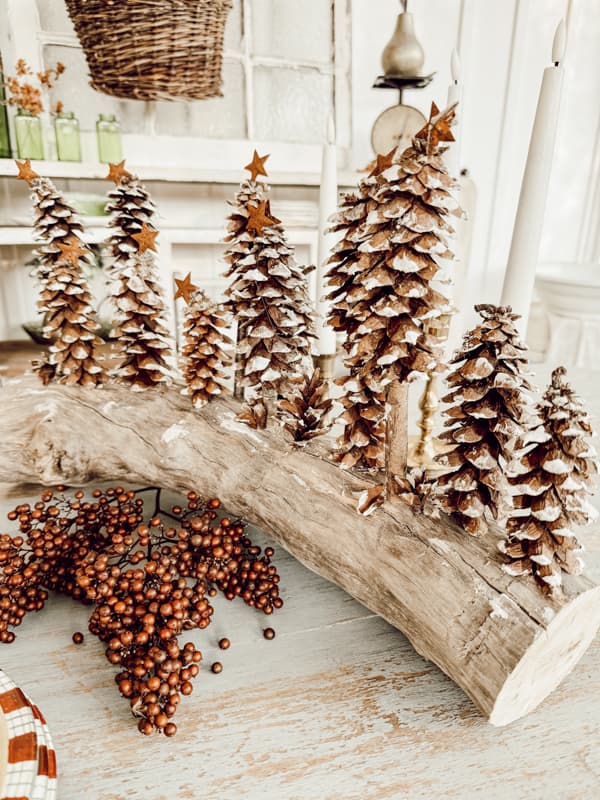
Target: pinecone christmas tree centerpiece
[(384, 296), (65, 300), (143, 348), (206, 352), (267, 295), (552, 481), (488, 410)]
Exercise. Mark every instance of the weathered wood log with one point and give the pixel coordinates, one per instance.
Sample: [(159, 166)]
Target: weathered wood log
[(507, 645)]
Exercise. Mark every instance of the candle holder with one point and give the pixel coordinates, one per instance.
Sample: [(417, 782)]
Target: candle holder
[(326, 364), (427, 445)]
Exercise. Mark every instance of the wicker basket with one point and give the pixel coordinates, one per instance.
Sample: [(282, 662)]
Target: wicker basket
[(153, 49)]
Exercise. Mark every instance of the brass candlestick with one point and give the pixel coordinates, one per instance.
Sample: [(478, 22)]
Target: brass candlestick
[(326, 365), (424, 451), (427, 447)]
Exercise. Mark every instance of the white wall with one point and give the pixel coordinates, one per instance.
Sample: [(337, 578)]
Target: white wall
[(504, 46)]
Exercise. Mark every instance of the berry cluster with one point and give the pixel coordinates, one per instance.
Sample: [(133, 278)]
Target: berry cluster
[(148, 582)]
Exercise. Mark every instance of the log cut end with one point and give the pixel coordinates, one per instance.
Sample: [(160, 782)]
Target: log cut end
[(549, 659)]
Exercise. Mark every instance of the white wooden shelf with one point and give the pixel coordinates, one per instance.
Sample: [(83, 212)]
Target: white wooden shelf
[(168, 173)]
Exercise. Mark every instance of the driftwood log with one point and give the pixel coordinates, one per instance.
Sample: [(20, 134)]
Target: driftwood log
[(503, 642)]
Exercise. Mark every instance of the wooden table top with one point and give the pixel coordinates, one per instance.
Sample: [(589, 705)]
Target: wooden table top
[(337, 706)]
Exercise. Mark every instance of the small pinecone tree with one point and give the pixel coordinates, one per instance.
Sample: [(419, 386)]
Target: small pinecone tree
[(267, 296), (383, 274), (206, 350), (55, 224), (306, 409), (144, 351), (552, 481), (65, 300), (488, 409), (130, 207)]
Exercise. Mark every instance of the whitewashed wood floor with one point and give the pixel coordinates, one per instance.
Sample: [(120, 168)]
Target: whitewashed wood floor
[(337, 707)]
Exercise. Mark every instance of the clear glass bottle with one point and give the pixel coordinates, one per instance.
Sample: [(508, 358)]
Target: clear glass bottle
[(68, 141), (28, 129), (5, 149), (108, 132)]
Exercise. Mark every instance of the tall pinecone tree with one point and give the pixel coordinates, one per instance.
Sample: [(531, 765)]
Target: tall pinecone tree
[(143, 347), (552, 482), (488, 410), (206, 352), (267, 295), (383, 274), (65, 300)]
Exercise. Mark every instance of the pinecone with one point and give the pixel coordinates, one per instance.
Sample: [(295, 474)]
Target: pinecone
[(143, 348), (309, 408), (65, 301), (254, 415), (55, 223), (268, 297), (206, 351), (552, 481), (488, 411), (130, 207), (361, 445), (383, 271)]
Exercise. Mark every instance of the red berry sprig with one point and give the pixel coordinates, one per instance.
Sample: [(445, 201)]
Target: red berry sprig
[(148, 582)]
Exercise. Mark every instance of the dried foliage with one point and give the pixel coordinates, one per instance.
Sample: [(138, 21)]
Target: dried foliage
[(21, 90)]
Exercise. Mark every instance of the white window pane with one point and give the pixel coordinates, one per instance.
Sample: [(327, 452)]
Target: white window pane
[(54, 16), (233, 28), (293, 30), (219, 117), (74, 90), (291, 105)]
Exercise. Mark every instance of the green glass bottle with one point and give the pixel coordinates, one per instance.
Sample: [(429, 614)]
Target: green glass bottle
[(108, 133), (68, 141), (5, 149), (28, 130)]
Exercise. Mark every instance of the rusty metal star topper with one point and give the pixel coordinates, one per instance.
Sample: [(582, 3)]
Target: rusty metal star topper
[(26, 173), (258, 217), (116, 172), (71, 251), (185, 288), (257, 166), (437, 128), (145, 239), (383, 162)]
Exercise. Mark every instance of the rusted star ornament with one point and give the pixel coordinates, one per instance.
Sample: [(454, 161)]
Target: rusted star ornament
[(383, 162), (437, 129), (257, 166), (258, 217), (185, 288), (145, 239), (71, 251), (117, 172), (26, 173)]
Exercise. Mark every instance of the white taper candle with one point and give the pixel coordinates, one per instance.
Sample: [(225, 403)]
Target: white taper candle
[(524, 249), (328, 198)]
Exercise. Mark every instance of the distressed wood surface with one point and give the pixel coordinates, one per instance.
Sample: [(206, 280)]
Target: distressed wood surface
[(337, 707), (503, 642)]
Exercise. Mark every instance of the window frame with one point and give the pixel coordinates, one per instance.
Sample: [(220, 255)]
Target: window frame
[(210, 154)]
